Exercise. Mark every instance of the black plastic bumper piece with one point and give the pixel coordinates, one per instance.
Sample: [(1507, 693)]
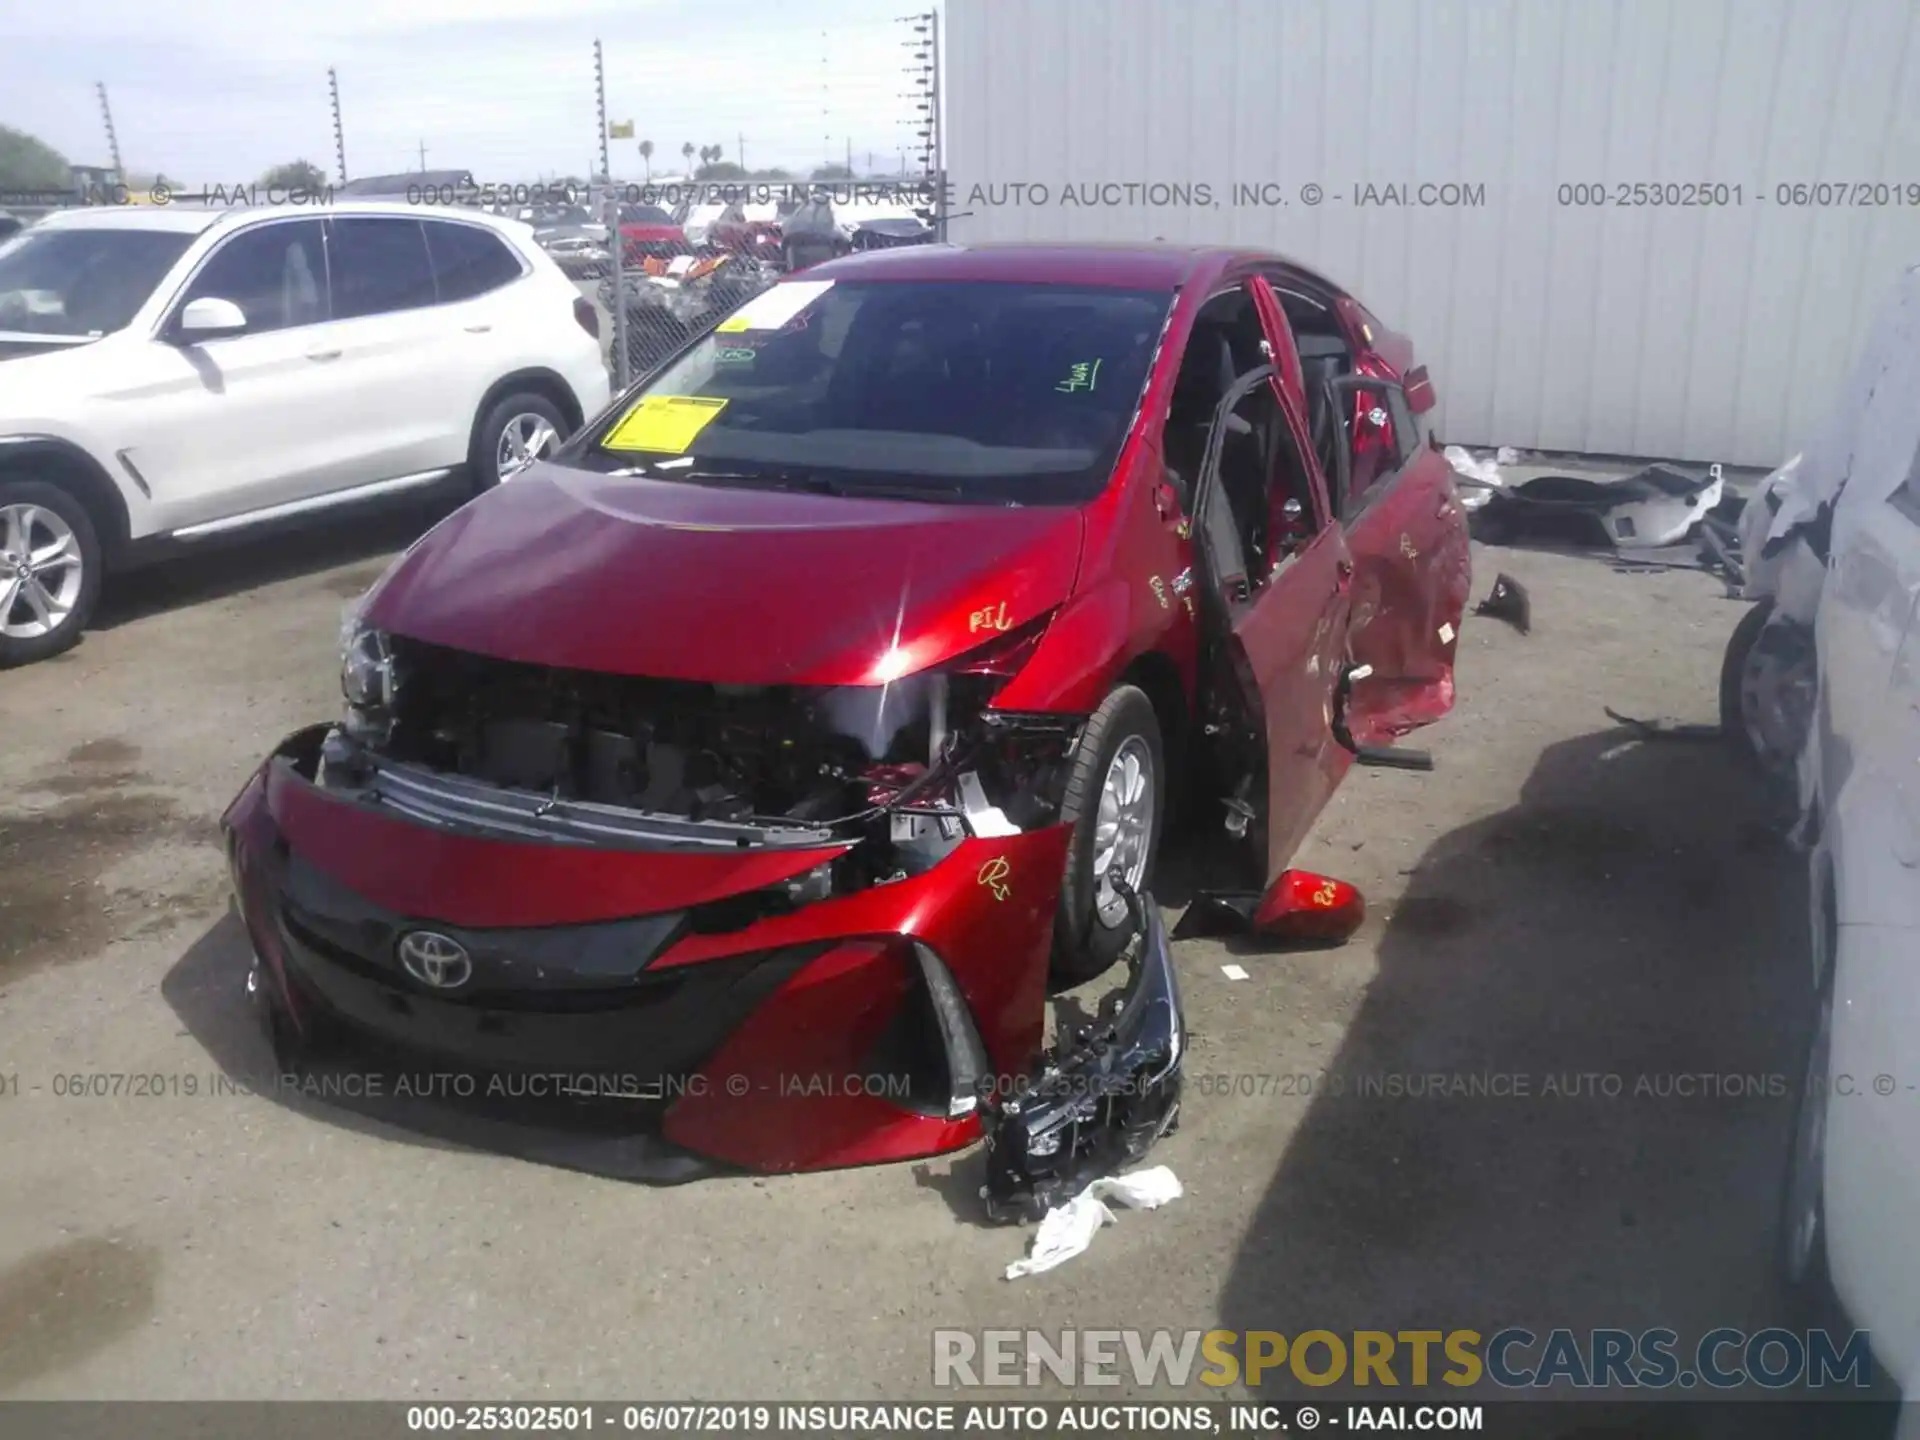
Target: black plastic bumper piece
[(1100, 1101)]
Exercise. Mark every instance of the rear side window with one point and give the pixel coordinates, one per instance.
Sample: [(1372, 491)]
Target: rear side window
[(468, 261), (379, 265), (276, 274)]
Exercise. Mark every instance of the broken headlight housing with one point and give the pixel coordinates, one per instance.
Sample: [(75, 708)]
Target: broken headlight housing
[(369, 681)]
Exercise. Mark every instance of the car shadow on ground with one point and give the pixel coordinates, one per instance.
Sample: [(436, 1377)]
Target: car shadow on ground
[(228, 566), (1565, 1097)]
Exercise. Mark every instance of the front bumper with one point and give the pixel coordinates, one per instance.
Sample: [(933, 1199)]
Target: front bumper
[(598, 980)]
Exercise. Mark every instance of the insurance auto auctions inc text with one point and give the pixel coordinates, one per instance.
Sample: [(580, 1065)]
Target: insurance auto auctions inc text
[(1510, 1358)]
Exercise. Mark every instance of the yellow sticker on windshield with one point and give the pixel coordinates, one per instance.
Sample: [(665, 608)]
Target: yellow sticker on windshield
[(663, 423)]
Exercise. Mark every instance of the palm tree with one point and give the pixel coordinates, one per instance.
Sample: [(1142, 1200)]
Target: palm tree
[(646, 158), (686, 152)]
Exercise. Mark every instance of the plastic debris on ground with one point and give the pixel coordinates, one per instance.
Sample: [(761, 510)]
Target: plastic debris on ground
[(1508, 601), (1235, 972), (1483, 475), (1657, 506), (1069, 1229)]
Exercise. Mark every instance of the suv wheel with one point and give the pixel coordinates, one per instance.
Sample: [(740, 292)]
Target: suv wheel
[(517, 430), (50, 567), (1115, 801)]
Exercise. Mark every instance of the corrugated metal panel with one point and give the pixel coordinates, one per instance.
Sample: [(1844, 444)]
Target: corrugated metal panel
[(1701, 332)]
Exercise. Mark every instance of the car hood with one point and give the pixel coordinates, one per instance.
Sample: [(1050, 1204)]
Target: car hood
[(568, 568), (18, 345)]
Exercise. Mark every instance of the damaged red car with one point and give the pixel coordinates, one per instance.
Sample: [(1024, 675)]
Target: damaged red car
[(758, 761)]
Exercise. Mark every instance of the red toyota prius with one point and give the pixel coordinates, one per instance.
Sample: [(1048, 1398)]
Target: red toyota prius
[(754, 763)]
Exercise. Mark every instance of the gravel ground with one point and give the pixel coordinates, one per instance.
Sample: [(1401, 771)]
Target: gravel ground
[(1555, 903)]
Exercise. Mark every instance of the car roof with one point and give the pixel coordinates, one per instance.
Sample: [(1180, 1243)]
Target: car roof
[(192, 219), (184, 219), (1123, 265)]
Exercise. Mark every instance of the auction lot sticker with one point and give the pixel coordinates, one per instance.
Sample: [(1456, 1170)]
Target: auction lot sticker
[(664, 423), (772, 308)]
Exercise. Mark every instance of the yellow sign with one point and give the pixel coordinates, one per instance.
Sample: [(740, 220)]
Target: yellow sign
[(620, 130), (664, 423)]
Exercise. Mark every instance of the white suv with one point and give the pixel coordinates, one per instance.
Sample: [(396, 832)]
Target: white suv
[(167, 375)]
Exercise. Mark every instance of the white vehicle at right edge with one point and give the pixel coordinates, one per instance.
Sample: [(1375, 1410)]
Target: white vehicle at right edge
[(1835, 548), (167, 375)]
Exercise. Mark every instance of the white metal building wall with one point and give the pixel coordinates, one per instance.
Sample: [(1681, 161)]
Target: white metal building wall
[(1699, 333)]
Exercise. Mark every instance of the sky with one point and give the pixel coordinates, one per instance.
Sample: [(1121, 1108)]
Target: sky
[(217, 91)]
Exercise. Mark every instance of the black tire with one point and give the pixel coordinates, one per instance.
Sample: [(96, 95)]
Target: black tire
[(1083, 944), (1803, 1274), (25, 650), (483, 452), (1733, 668)]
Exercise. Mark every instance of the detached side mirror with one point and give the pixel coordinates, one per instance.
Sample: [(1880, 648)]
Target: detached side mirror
[(209, 318)]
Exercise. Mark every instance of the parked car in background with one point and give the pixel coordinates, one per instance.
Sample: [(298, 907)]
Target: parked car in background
[(744, 228), (695, 219), (1833, 556), (170, 375), (840, 686), (811, 234), (573, 237), (649, 230), (879, 224)]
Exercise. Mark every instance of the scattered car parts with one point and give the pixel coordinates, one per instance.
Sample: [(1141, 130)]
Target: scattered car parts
[(1101, 1099), (1657, 506), (1508, 601)]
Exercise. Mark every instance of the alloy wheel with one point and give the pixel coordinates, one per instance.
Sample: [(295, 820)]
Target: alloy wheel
[(41, 571), (524, 439), (1123, 826)]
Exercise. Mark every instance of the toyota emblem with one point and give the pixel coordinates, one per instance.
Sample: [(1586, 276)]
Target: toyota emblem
[(436, 960)]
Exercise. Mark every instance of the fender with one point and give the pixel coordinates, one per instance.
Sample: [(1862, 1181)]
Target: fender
[(76, 470), (1090, 643)]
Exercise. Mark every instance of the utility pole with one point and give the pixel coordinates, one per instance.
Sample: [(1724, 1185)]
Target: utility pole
[(926, 98), (423, 157), (113, 142), (740, 150), (616, 245), (339, 135), (939, 153), (849, 157), (600, 104)]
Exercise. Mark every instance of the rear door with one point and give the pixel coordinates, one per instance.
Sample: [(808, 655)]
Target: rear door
[(1407, 534), (413, 361)]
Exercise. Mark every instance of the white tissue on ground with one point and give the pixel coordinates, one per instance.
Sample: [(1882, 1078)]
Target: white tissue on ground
[(1068, 1229)]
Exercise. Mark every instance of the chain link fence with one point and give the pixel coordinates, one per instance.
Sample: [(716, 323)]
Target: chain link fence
[(688, 255)]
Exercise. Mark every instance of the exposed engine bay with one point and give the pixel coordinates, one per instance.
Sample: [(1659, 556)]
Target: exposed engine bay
[(914, 765)]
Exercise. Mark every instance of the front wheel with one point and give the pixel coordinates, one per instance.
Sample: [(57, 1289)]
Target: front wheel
[(1767, 690), (1116, 802), (50, 564)]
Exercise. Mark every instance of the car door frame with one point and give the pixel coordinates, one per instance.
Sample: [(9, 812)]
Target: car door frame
[(1406, 537), (1285, 641)]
